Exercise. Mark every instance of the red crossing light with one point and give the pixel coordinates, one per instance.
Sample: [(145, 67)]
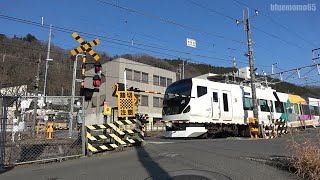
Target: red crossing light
[(96, 81)]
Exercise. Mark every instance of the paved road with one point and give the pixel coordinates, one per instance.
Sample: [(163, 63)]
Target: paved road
[(232, 158)]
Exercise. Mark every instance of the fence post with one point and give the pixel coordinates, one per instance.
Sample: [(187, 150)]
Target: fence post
[(3, 113), (1, 135), (83, 131)]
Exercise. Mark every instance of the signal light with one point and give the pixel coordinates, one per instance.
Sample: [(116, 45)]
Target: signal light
[(87, 93), (97, 67), (96, 81)]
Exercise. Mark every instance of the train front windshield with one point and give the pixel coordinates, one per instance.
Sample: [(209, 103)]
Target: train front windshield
[(176, 104)]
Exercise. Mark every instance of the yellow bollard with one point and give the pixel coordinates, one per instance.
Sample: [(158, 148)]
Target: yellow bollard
[(253, 127), (50, 131)]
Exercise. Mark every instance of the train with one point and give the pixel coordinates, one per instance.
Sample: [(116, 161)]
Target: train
[(209, 106)]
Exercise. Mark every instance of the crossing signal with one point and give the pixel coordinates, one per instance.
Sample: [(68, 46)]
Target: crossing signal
[(96, 81), (97, 67), (87, 93)]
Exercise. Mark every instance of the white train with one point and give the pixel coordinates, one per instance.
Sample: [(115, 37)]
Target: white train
[(224, 108)]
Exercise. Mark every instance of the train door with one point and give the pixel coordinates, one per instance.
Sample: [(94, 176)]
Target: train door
[(215, 105), (226, 106)]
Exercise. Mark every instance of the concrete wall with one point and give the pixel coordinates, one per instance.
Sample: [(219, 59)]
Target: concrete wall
[(114, 73)]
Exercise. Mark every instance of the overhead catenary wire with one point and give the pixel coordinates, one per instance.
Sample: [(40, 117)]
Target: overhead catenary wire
[(169, 21), (112, 40), (234, 19), (279, 24)]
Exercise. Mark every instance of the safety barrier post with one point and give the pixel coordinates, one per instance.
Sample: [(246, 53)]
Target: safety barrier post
[(50, 130), (253, 127)]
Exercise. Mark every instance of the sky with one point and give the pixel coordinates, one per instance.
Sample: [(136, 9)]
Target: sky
[(160, 28)]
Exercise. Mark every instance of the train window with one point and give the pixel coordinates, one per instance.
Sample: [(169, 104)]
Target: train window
[(215, 97), (247, 103), (201, 90), (264, 105), (225, 102), (279, 106), (305, 109), (314, 110)]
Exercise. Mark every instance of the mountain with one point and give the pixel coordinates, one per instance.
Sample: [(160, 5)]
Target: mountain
[(19, 57)]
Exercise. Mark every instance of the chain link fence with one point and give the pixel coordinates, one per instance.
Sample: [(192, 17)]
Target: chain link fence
[(40, 128)]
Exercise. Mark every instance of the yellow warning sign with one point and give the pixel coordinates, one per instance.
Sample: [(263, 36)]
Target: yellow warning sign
[(107, 110), (126, 104)]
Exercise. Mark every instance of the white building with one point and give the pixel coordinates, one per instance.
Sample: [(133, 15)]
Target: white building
[(138, 75)]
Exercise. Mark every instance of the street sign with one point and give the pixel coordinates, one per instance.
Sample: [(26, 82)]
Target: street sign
[(191, 43), (126, 104), (106, 108), (85, 46)]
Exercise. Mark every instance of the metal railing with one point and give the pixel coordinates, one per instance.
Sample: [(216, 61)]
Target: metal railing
[(24, 129)]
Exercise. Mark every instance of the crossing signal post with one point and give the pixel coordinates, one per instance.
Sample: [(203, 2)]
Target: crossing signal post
[(96, 78), (86, 47)]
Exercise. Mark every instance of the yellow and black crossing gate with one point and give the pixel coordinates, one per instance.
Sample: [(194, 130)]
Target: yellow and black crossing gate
[(99, 140), (277, 128)]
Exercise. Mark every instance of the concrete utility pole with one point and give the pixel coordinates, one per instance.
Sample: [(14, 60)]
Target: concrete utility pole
[(36, 96), (246, 23), (47, 60), (182, 69), (252, 73), (2, 135)]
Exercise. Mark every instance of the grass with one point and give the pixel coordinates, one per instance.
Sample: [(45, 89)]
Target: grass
[(306, 158)]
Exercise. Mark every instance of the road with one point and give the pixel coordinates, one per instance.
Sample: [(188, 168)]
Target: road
[(231, 158)]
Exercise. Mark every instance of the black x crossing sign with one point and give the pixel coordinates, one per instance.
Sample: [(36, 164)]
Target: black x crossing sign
[(85, 46)]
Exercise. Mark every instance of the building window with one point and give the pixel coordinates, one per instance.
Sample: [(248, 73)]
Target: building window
[(129, 74), (157, 102), (144, 100), (201, 90), (145, 77), (161, 102), (162, 81), (169, 81), (136, 75), (155, 80)]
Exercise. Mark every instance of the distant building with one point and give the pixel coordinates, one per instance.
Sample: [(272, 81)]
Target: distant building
[(20, 90), (138, 75)]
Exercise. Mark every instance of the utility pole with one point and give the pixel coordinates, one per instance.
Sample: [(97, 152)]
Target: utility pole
[(182, 69), (274, 66), (47, 60), (36, 85), (234, 62), (246, 23)]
